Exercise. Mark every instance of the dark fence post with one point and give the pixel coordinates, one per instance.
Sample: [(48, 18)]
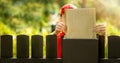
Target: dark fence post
[(51, 46), (6, 46), (22, 46), (80, 51), (37, 46), (113, 47), (101, 44)]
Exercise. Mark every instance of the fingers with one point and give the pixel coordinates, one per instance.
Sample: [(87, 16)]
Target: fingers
[(60, 26), (100, 29)]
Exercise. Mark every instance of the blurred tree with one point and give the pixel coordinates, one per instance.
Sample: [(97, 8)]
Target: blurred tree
[(22, 14), (18, 15)]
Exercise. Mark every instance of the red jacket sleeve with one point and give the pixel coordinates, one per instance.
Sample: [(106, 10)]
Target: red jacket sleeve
[(59, 44)]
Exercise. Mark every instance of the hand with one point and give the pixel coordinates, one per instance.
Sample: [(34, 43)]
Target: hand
[(100, 29), (60, 27)]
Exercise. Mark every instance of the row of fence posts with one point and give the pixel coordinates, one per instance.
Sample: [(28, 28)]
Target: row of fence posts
[(92, 50), (22, 49), (74, 50), (113, 50)]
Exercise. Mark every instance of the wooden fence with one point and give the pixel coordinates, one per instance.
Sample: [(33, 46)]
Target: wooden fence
[(74, 50)]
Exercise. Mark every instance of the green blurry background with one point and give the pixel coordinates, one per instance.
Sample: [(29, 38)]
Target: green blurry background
[(36, 16)]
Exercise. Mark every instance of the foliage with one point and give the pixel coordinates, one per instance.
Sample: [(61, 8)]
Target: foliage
[(21, 16), (32, 16)]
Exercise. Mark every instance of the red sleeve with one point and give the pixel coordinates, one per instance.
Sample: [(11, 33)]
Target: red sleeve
[(59, 44)]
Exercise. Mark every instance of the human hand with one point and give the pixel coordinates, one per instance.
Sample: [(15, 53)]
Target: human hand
[(60, 27), (100, 29)]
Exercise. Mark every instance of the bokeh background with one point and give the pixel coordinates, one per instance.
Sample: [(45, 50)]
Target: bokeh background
[(37, 16)]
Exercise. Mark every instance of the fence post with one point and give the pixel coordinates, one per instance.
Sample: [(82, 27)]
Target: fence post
[(37, 46), (22, 46), (80, 51), (6, 46), (51, 46), (113, 47), (101, 44)]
